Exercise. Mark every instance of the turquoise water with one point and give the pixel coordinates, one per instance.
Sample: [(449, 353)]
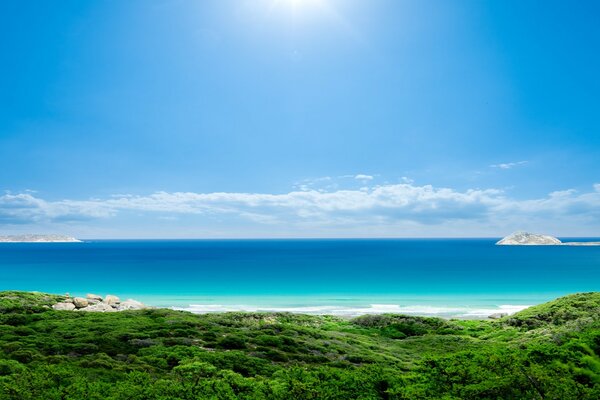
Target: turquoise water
[(457, 277)]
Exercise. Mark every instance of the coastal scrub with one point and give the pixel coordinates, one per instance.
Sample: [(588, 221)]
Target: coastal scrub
[(550, 351)]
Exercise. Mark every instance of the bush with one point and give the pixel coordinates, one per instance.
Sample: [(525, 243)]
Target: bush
[(551, 351), (231, 343)]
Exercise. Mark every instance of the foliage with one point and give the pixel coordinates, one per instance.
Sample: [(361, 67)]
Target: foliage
[(560, 311), (551, 351)]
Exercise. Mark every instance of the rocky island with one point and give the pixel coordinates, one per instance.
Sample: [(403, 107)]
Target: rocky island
[(533, 239), (38, 239)]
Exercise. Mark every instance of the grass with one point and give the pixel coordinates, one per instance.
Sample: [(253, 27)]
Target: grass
[(163, 354)]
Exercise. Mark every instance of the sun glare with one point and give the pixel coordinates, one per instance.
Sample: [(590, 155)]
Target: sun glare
[(297, 4)]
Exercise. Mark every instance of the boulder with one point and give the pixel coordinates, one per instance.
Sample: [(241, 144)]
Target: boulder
[(68, 300), (100, 307), (111, 300), (91, 296), (64, 306), (497, 315), (80, 302), (131, 304)]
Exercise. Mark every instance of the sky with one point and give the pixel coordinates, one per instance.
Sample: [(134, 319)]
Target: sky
[(299, 118)]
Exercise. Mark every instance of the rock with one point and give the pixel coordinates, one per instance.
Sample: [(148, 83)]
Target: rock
[(131, 304), (100, 307), (111, 300), (497, 315), (94, 303), (80, 302), (64, 306), (38, 239), (581, 243), (528, 239)]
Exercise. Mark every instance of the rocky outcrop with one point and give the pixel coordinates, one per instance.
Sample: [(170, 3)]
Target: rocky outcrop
[(38, 239), (581, 243), (130, 304), (533, 239), (95, 303), (528, 239), (64, 306), (100, 307)]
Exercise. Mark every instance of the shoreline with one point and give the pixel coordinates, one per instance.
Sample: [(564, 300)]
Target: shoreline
[(371, 309), (440, 306)]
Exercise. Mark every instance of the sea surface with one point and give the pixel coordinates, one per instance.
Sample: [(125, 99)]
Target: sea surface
[(464, 278)]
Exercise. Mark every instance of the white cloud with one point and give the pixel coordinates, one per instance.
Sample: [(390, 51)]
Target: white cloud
[(331, 183), (311, 183), (25, 208), (366, 209), (509, 165)]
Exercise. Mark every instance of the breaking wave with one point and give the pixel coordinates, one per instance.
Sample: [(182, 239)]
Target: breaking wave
[(349, 311)]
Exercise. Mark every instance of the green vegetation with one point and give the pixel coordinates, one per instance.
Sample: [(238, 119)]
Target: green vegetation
[(551, 351)]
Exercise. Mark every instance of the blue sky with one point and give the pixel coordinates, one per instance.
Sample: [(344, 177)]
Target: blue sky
[(299, 118)]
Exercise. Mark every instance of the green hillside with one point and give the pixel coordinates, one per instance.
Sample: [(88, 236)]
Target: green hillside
[(551, 351)]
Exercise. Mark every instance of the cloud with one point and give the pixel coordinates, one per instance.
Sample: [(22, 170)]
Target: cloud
[(25, 208), (403, 204), (311, 183), (509, 165), (331, 183)]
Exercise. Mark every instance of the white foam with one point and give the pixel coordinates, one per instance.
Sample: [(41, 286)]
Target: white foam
[(418, 310)]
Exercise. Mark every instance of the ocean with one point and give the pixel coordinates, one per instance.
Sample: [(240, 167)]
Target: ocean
[(464, 278)]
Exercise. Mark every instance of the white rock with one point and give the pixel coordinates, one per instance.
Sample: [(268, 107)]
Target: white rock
[(111, 300), (131, 304), (38, 239), (91, 296), (64, 306), (581, 243), (528, 239), (100, 307), (80, 302)]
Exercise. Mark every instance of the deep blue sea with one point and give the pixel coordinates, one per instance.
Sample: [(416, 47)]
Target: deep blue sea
[(467, 278)]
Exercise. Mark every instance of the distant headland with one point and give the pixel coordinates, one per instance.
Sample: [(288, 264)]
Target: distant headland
[(533, 239), (38, 239)]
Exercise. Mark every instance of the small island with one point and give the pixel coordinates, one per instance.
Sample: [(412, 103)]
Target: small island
[(533, 239), (38, 239)]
